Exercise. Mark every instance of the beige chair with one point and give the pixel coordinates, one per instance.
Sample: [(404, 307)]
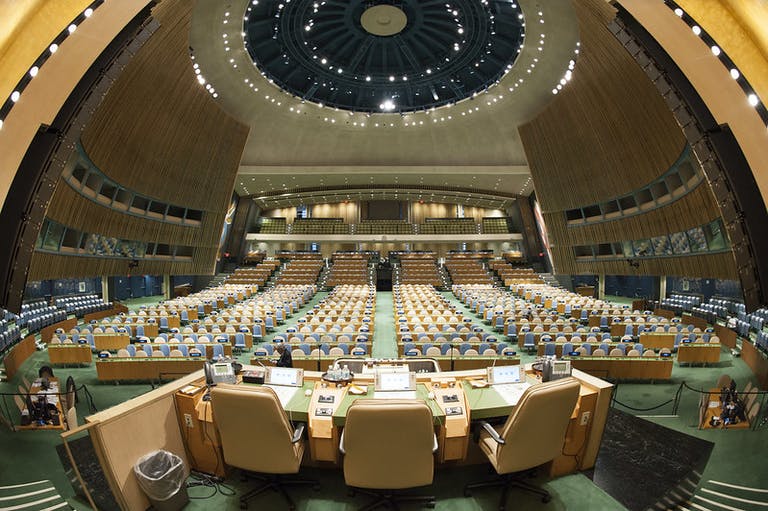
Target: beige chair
[(532, 435), (599, 352), (238, 411), (373, 444), (616, 352), (649, 353), (633, 353)]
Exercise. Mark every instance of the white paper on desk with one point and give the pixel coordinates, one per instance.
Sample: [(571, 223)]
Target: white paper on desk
[(511, 392), (284, 393), (395, 394), (714, 404)]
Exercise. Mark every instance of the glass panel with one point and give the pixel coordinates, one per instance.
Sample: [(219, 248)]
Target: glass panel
[(679, 243), (673, 181), (642, 248), (610, 207), (53, 237), (573, 214), (592, 211), (659, 189), (644, 196), (582, 251), (627, 202), (715, 236), (627, 249), (697, 239), (604, 249), (71, 238), (78, 173), (661, 245)]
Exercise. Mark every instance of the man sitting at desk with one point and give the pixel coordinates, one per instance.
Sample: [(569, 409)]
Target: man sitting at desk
[(285, 356)]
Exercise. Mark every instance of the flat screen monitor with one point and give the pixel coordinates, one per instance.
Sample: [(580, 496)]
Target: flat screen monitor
[(288, 376), (387, 379), (504, 374)]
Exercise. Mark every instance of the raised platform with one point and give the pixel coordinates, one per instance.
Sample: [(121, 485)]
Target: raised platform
[(647, 466)]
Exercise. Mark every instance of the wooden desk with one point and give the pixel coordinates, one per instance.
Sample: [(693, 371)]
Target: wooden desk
[(640, 368), (111, 342), (658, 341), (124, 369), (69, 353), (581, 443), (712, 407), (698, 353), (53, 395)]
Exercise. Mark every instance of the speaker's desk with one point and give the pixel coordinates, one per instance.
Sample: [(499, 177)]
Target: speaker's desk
[(453, 431)]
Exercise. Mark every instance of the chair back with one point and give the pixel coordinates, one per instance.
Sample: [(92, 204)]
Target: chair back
[(535, 431), (374, 442), (238, 412)]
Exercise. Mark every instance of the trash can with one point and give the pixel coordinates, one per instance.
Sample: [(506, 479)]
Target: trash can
[(162, 475)]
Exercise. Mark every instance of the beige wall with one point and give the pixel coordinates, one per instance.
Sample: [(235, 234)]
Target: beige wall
[(479, 213), (421, 211), (349, 211), (288, 213)]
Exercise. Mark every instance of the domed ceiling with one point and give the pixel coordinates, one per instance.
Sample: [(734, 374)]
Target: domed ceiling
[(385, 56), (342, 93)]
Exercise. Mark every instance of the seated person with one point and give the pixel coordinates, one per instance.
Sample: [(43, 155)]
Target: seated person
[(285, 356)]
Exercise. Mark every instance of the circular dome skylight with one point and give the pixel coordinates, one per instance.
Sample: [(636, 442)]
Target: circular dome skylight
[(383, 56)]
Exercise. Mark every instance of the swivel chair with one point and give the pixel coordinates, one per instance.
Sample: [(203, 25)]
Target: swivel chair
[(239, 411), (532, 435), (378, 455)]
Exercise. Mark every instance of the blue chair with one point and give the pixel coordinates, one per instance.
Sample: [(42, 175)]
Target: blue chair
[(587, 347), (499, 324), (639, 347), (183, 349), (529, 342), (257, 333), (269, 348), (325, 348), (629, 330), (549, 349), (139, 330), (623, 347), (279, 316), (269, 323), (605, 337), (604, 327), (359, 351), (445, 348), (408, 346), (483, 346), (165, 349), (463, 347), (240, 342), (305, 348), (164, 322), (184, 316), (343, 346), (605, 348), (567, 348), (218, 350), (147, 349), (131, 349)]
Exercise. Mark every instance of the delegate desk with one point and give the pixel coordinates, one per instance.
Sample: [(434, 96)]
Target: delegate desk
[(69, 353), (621, 368), (148, 368), (698, 353), (453, 431)]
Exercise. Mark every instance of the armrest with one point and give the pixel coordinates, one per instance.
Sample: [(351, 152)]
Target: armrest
[(341, 444), (491, 431), (434, 443), (298, 433)]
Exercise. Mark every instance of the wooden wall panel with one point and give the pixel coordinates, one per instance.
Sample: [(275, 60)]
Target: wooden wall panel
[(431, 210), (70, 208), (608, 131), (349, 211), (159, 133), (695, 209), (606, 134)]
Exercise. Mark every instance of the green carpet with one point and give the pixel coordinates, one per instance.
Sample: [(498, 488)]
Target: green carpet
[(738, 456)]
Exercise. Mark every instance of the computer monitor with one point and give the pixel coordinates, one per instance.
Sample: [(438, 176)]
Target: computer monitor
[(504, 374), (288, 376), (394, 379)]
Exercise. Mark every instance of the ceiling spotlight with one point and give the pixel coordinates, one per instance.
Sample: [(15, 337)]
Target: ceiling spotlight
[(367, 78), (716, 50), (679, 12), (753, 99), (735, 74), (15, 95), (71, 29), (387, 106), (696, 29), (87, 13), (52, 48), (33, 71)]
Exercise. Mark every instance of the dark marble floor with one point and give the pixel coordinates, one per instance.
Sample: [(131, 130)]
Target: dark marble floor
[(642, 464)]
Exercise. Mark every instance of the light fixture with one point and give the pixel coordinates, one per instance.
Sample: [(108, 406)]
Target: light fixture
[(71, 29), (696, 29), (715, 50), (735, 73), (52, 48), (33, 71), (15, 96), (87, 13), (753, 99), (679, 12)]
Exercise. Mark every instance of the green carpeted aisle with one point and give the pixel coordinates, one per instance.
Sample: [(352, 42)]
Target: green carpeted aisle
[(384, 338)]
